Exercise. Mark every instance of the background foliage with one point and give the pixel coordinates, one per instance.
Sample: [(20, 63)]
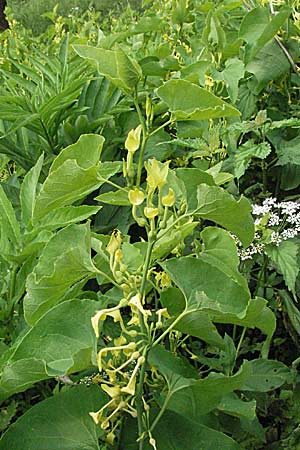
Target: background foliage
[(149, 227)]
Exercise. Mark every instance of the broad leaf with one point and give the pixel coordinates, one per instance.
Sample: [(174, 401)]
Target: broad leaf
[(187, 101), (65, 260), (62, 341), (257, 29), (116, 65), (66, 215), (267, 375), (175, 432), (284, 256), (73, 175), (215, 204), (61, 421)]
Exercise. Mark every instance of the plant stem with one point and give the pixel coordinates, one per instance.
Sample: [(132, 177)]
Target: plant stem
[(161, 412), (144, 140), (240, 343), (139, 399)]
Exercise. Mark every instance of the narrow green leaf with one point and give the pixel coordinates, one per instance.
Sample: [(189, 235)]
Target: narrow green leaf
[(9, 228), (28, 191), (119, 197)]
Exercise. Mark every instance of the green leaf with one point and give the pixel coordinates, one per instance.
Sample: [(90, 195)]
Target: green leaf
[(215, 204), (190, 396), (284, 256), (291, 309), (28, 191), (187, 101), (267, 375), (268, 65), (64, 216), (59, 422), (9, 228), (257, 30), (232, 74), (73, 175), (192, 178), (288, 152), (65, 260), (119, 197), (62, 341), (175, 432), (165, 243), (218, 261), (244, 154), (116, 65)]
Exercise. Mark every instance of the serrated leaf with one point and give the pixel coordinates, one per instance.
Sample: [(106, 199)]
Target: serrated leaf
[(187, 101), (244, 154)]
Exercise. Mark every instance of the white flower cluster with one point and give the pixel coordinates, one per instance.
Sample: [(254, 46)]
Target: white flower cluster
[(275, 222)]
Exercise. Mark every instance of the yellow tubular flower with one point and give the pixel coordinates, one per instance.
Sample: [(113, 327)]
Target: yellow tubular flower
[(132, 142), (114, 242), (157, 173)]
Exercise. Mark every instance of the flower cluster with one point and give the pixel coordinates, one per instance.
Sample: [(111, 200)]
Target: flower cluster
[(274, 222)]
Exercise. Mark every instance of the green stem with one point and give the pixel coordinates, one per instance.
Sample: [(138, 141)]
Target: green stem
[(167, 331), (160, 414), (12, 284), (240, 343), (161, 127), (144, 140), (151, 243), (139, 400), (111, 183)]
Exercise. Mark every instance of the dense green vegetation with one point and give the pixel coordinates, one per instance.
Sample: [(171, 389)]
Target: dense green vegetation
[(149, 226)]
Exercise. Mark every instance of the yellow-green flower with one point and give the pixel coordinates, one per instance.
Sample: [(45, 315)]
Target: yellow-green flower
[(136, 196), (169, 199), (157, 173), (132, 142), (150, 212), (114, 242)]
